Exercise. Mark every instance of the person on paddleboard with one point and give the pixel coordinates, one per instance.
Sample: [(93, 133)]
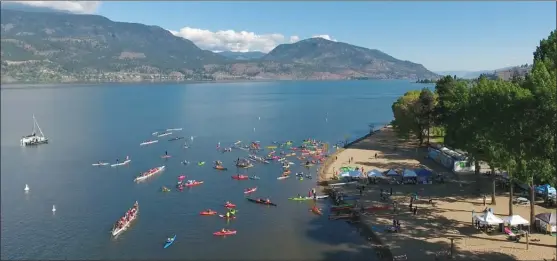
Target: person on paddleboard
[(166, 153)]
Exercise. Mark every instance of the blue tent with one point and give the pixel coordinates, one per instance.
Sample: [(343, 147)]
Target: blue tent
[(423, 172), (355, 173), (545, 189), (375, 174)]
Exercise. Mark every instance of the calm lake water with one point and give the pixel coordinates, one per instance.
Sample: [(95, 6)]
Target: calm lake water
[(105, 122)]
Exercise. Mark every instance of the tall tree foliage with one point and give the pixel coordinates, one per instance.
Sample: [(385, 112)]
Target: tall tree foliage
[(511, 125)]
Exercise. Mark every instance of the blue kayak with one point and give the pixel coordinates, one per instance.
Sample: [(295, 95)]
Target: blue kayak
[(169, 243)]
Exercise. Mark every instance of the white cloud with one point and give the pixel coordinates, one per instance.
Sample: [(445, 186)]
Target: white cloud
[(230, 40), (324, 36), (80, 7)]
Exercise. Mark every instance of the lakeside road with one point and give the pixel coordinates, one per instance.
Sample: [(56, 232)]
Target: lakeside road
[(427, 235)]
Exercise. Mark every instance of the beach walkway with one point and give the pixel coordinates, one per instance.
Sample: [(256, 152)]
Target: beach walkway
[(428, 234)]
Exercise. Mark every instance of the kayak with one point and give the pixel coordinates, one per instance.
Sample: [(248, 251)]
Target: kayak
[(230, 205), (254, 177), (165, 189), (258, 201), (169, 243), (176, 138), (148, 142), (182, 177), (121, 164), (165, 156), (207, 213), (100, 164), (300, 199), (283, 177), (220, 168), (227, 233), (201, 163), (195, 183), (175, 129), (164, 134), (224, 216), (322, 197), (251, 190), (316, 211), (240, 177)]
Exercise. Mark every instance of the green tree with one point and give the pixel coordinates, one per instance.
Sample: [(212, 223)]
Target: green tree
[(426, 105), (408, 118)]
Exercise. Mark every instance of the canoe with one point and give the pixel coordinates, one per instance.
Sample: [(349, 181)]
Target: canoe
[(196, 183), (149, 174), (250, 190), (240, 177), (148, 142), (261, 202), (230, 205), (207, 213), (167, 244), (282, 177), (227, 233), (220, 168)]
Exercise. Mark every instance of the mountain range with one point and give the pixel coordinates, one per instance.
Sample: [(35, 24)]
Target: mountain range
[(62, 47)]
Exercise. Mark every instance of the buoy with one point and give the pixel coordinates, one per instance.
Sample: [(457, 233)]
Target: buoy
[(26, 187), (53, 208)]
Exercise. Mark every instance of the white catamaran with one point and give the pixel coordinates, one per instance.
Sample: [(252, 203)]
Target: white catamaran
[(33, 138)]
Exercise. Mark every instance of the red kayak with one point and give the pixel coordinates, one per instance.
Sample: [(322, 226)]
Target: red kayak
[(229, 205), (224, 216), (251, 190), (240, 177), (196, 183), (227, 233), (208, 213)]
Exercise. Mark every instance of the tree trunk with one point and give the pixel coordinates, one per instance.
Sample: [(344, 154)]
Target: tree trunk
[(493, 187), (511, 192), (532, 204)]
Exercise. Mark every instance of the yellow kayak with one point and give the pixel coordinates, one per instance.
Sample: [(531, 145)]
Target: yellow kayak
[(271, 147)]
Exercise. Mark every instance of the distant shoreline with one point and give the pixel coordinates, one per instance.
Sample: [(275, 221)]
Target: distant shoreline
[(85, 84)]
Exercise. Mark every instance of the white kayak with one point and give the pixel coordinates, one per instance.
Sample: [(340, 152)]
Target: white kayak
[(164, 134), (121, 163), (322, 197), (148, 142), (175, 129), (100, 164), (283, 177)]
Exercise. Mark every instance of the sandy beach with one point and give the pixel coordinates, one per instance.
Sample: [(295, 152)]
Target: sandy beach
[(427, 235)]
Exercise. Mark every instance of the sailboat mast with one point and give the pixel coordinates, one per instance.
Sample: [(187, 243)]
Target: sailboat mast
[(39, 127), (34, 125)]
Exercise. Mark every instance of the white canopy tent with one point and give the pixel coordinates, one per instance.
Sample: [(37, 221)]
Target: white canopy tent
[(408, 173), (489, 219), (392, 172), (515, 220)]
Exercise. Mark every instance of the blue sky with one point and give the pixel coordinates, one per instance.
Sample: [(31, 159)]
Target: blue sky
[(440, 35)]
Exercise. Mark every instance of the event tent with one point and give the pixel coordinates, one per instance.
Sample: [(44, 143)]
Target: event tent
[(392, 172), (345, 174), (545, 190), (515, 220), (423, 172), (549, 218), (409, 173), (355, 173), (489, 218), (374, 173)]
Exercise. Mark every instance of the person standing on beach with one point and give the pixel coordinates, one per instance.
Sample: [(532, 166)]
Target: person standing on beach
[(375, 155)]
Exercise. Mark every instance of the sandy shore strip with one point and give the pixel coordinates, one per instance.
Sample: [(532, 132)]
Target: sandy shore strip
[(428, 234)]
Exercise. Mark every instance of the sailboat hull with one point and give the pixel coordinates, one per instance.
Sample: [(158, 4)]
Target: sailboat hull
[(31, 141)]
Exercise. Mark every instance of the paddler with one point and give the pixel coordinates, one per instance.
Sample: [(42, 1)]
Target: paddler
[(268, 201), (223, 230), (227, 215), (166, 152)]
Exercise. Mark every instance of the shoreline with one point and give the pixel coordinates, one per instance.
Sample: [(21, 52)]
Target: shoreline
[(382, 251)]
